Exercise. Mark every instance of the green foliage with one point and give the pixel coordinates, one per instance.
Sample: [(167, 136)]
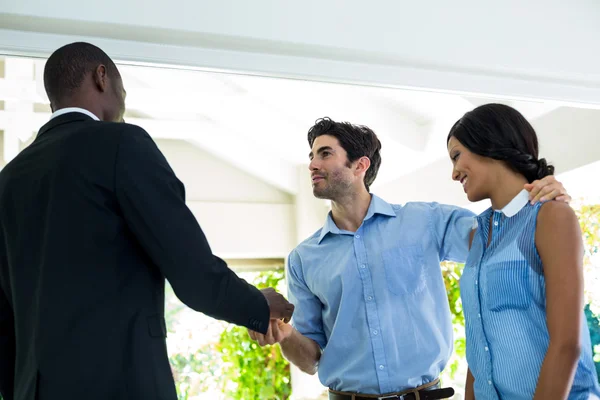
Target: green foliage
[(594, 325), (589, 220), (234, 365), (451, 273), (194, 373), (251, 371)]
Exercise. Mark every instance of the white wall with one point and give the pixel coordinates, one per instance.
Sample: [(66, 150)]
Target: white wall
[(2, 163), (207, 178), (246, 230), (567, 139), (431, 183), (543, 49), (242, 216)]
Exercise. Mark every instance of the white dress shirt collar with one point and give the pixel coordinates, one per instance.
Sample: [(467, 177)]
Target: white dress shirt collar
[(516, 204), (73, 109)]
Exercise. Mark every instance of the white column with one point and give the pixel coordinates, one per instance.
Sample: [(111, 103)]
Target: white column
[(15, 131), (310, 216)]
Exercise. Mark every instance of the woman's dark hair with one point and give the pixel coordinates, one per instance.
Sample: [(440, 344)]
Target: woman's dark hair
[(358, 141), (502, 133)]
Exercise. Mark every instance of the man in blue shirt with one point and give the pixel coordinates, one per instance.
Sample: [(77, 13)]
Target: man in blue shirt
[(372, 314)]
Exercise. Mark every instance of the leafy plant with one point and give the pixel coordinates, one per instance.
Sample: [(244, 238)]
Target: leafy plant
[(589, 220), (451, 273), (594, 325), (231, 364), (251, 371)]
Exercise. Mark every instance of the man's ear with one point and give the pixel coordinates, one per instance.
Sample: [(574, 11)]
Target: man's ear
[(363, 164), (100, 78)]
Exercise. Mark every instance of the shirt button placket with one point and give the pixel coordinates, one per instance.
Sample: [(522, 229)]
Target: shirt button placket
[(371, 307)]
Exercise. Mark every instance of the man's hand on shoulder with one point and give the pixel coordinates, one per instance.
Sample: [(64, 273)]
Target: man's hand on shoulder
[(547, 188)]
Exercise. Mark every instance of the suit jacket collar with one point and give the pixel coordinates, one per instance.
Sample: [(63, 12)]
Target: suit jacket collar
[(63, 119)]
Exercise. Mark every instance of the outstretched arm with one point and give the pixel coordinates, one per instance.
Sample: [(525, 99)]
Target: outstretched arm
[(152, 201)]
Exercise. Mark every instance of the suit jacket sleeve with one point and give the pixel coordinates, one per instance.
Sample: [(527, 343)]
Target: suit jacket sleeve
[(152, 200), (7, 347)]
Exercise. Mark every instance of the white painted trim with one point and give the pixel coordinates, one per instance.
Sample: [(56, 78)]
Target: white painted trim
[(406, 74)]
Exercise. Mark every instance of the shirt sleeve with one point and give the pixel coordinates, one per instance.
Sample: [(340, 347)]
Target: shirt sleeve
[(307, 319), (451, 226)]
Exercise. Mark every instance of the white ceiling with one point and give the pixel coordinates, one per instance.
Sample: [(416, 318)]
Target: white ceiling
[(259, 124)]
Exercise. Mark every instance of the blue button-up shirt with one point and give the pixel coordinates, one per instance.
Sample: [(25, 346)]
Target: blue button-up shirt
[(375, 300), (504, 300)]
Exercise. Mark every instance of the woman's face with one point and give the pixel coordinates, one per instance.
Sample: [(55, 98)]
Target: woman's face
[(473, 171)]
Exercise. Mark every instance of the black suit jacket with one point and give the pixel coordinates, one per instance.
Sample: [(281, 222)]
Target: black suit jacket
[(92, 220)]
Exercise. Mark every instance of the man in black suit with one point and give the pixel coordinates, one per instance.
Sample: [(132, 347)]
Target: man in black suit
[(92, 220)]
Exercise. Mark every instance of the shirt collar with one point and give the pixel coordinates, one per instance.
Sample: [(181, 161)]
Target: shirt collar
[(516, 204), (377, 206), (510, 210), (63, 111)]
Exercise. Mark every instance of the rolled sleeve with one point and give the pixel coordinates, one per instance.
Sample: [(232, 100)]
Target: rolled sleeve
[(451, 227), (307, 317)]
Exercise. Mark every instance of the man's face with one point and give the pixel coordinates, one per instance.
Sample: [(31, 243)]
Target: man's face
[(331, 172)]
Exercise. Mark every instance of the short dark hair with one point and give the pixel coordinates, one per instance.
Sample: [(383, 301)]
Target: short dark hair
[(67, 67), (500, 132), (358, 141)]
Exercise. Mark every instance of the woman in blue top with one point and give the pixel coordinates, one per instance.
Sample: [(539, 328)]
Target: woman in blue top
[(522, 286)]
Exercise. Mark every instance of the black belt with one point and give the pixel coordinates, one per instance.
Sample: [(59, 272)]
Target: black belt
[(430, 393)]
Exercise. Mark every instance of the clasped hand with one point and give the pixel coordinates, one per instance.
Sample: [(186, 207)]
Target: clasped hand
[(278, 332)]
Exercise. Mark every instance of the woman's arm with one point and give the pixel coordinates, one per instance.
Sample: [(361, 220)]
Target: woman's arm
[(559, 243), (469, 391)]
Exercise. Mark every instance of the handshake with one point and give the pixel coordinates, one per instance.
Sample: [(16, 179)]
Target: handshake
[(281, 313)]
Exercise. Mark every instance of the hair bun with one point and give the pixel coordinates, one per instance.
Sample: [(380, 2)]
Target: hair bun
[(544, 169)]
